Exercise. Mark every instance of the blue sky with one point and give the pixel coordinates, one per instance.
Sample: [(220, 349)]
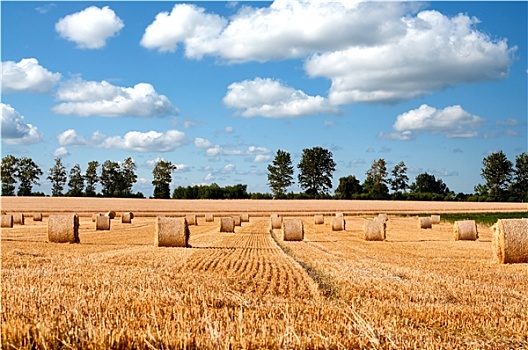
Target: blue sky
[(218, 87)]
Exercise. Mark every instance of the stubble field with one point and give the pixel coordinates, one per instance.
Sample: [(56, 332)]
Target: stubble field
[(249, 289)]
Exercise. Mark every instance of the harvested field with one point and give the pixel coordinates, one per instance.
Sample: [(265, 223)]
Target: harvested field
[(249, 289)]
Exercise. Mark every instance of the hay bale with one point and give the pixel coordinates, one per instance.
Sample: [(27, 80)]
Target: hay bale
[(292, 230), (63, 228), (226, 225), (435, 219), (383, 217), (209, 217), (275, 223), (244, 217), (127, 217), (7, 220), (510, 241), (102, 223), (375, 230), (465, 230), (191, 219), (338, 224), (37, 217), (18, 219), (339, 215), (238, 220), (111, 214), (319, 219), (425, 222), (171, 232)]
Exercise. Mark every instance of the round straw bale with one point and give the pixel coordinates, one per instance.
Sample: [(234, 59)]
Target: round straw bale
[(318, 219), (510, 241), (275, 222), (191, 219), (18, 219), (465, 230), (63, 228), (383, 217), (244, 217), (435, 219), (209, 217), (127, 217), (102, 223), (111, 214), (424, 222), (292, 230), (338, 224), (374, 230), (339, 215), (7, 220), (226, 225), (37, 217), (171, 232), (238, 220)]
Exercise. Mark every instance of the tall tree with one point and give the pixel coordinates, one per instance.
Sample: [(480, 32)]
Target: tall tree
[(427, 183), (91, 178), (9, 170), (28, 173), (399, 180), (76, 182), (376, 181), (316, 171), (162, 174), (497, 171), (128, 176), (280, 173), (348, 186), (520, 178), (110, 179), (57, 177)]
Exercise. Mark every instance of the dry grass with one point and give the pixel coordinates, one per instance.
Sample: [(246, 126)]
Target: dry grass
[(418, 289)]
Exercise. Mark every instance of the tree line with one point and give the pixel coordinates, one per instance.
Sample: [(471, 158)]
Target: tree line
[(504, 180)]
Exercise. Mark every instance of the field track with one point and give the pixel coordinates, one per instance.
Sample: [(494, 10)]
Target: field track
[(249, 289)]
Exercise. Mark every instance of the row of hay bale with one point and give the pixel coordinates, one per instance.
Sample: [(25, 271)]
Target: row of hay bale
[(427, 222), (102, 221), (8, 220)]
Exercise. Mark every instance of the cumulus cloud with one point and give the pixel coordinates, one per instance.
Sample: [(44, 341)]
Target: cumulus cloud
[(60, 152), (228, 168), (261, 158), (209, 177), (90, 28), (202, 143), (270, 98), (27, 75), (15, 131), (286, 29), (436, 52), (229, 129), (151, 141), (218, 150), (453, 122), (86, 98)]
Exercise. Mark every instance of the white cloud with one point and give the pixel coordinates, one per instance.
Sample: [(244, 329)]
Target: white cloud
[(202, 143), (287, 29), (213, 151), (15, 131), (90, 28), (151, 141), (251, 150), (27, 75), (260, 158), (182, 168), (209, 177), (436, 52), (86, 98), (453, 122), (228, 168), (229, 129), (186, 23), (61, 151), (270, 98)]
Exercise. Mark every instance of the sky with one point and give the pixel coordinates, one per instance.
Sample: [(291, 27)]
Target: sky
[(217, 88)]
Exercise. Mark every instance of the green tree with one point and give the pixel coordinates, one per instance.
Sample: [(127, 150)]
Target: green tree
[(110, 178), (128, 177), (280, 174), (520, 178), (399, 180), (162, 174), (28, 173), (427, 183), (9, 170), (497, 171), (376, 181), (316, 170), (348, 186), (91, 178), (57, 177), (76, 182)]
